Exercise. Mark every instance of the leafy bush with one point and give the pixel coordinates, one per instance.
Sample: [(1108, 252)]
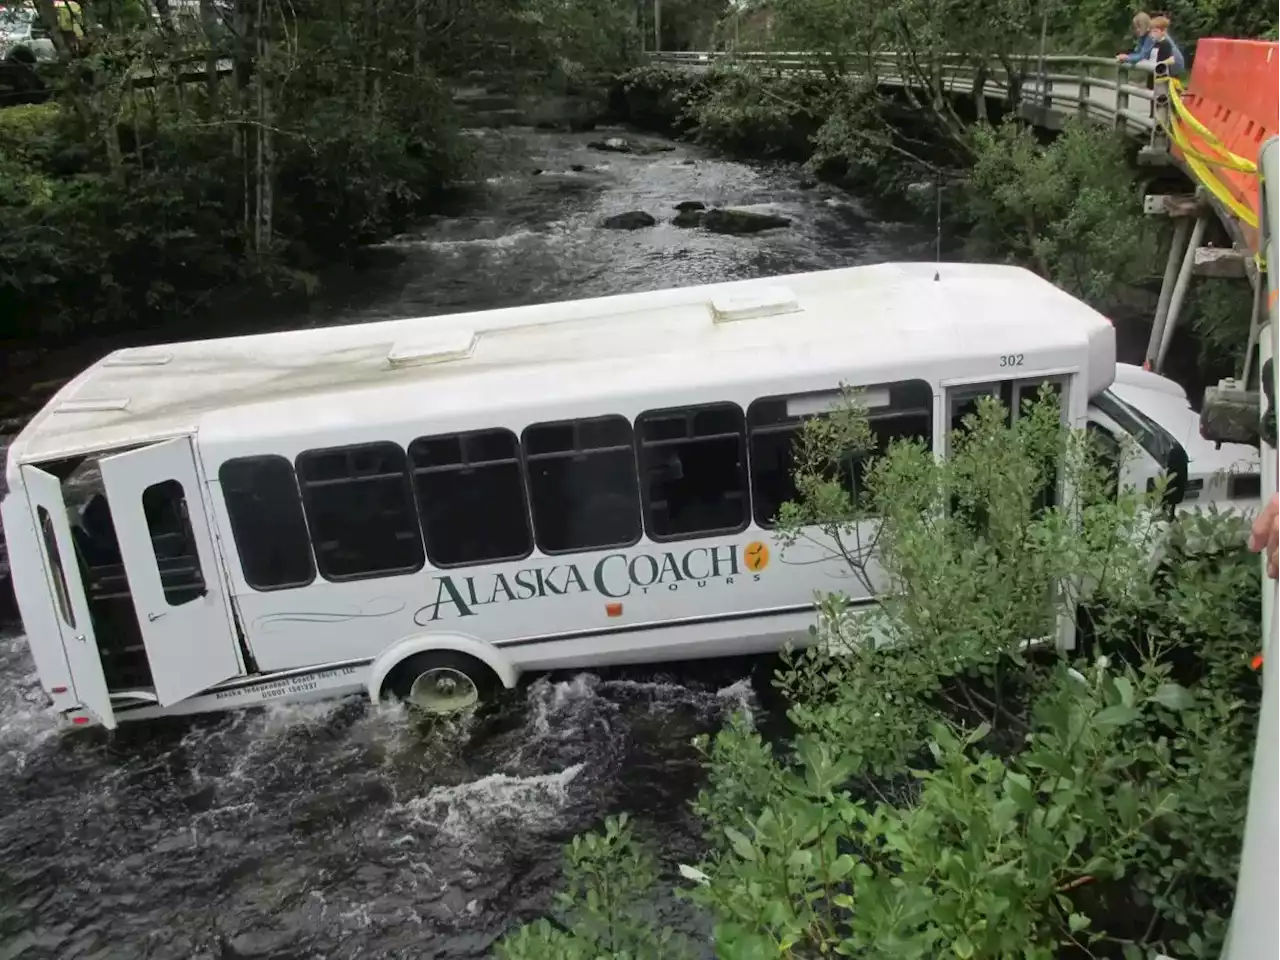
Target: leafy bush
[(1068, 209), (957, 792), (609, 877)]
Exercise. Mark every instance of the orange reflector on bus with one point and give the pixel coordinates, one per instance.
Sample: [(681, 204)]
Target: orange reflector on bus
[(80, 720), (613, 609), (57, 689)]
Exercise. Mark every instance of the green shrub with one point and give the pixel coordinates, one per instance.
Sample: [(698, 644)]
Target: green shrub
[(958, 794)]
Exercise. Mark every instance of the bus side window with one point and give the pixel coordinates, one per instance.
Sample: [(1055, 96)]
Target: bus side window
[(471, 497), (359, 506), (267, 524), (693, 464), (583, 488), (895, 411)]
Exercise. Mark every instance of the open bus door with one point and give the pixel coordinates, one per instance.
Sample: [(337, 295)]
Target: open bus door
[(167, 547), (57, 554)]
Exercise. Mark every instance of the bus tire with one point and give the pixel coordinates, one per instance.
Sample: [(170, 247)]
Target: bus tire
[(440, 681)]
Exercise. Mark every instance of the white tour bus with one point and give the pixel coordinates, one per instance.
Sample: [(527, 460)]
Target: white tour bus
[(425, 508)]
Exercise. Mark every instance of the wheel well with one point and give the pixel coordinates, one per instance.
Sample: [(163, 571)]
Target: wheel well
[(477, 668), (468, 652)]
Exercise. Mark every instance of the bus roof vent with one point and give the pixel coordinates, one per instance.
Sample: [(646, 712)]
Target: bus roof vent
[(138, 358), (765, 302), (436, 347), (102, 405)]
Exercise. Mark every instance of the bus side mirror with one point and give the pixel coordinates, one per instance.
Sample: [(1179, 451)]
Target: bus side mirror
[(1177, 466)]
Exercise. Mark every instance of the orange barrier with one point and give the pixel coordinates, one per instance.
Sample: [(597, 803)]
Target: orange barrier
[(1234, 91)]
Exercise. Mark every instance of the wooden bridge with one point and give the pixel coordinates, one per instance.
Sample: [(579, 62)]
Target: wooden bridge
[(1212, 129)]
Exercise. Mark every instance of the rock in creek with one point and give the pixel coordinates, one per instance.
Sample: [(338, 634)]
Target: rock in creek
[(688, 218), (742, 221), (631, 220), (622, 145), (684, 206), (612, 145)]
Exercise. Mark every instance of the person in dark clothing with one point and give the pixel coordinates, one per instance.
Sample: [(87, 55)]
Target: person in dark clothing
[(1163, 49)]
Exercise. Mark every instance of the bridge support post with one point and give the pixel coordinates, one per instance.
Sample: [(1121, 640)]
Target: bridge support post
[(1162, 334), (1177, 249)]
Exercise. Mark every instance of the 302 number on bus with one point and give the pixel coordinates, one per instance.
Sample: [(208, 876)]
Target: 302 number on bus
[(1012, 359)]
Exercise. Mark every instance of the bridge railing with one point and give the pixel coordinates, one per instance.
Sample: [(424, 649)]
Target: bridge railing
[(1056, 85)]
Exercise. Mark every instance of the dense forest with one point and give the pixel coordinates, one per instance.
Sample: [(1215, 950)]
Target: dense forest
[(190, 149)]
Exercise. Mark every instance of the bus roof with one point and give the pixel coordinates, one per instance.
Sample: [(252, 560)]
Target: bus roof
[(854, 318)]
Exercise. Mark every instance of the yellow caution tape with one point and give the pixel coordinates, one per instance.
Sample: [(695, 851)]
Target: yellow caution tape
[(1200, 163), (1231, 160)]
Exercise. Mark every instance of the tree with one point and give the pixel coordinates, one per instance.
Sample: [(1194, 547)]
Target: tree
[(1067, 209)]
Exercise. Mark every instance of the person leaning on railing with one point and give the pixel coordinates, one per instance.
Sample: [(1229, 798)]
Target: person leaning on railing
[(1164, 49), (1143, 44)]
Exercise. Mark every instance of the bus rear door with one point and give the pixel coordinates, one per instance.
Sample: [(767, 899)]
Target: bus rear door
[(174, 576), (57, 554)]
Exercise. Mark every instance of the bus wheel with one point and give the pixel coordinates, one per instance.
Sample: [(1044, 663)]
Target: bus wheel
[(440, 682)]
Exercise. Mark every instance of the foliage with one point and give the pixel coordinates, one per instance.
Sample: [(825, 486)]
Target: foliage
[(1067, 209), (609, 877), (954, 793), (1100, 26), (1219, 313), (754, 109), (134, 200)]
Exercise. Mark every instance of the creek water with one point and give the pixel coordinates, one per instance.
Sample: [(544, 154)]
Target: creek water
[(339, 830)]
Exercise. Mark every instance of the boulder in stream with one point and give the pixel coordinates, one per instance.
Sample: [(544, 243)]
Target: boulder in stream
[(688, 218), (685, 206), (612, 145), (631, 220), (742, 221)]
